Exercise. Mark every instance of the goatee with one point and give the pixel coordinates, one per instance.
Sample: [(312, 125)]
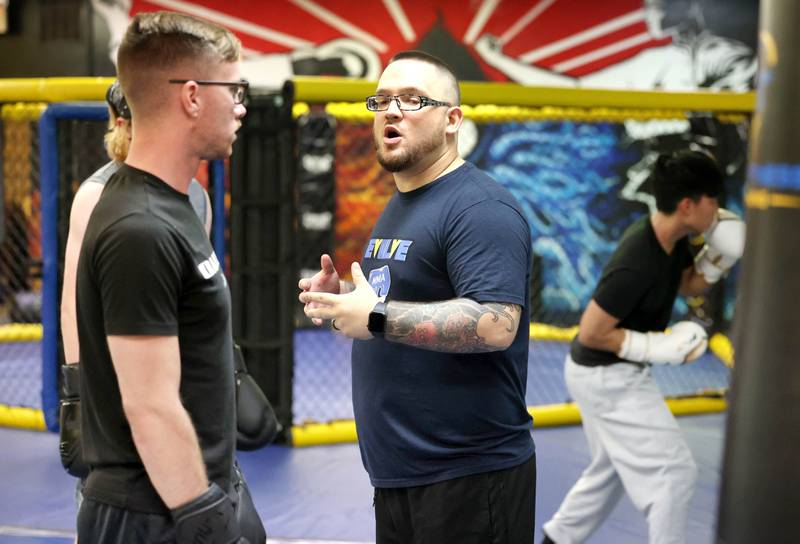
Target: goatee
[(397, 163), (405, 158)]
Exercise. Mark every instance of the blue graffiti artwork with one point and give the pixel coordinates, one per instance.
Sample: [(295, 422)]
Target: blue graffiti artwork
[(568, 177)]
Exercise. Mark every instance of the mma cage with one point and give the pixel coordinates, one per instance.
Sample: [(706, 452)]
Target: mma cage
[(303, 180)]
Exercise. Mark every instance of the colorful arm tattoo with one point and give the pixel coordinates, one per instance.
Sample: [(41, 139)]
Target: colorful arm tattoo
[(450, 326)]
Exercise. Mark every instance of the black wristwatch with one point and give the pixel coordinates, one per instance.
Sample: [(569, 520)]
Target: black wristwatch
[(377, 320)]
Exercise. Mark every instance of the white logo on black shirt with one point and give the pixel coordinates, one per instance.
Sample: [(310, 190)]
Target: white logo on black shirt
[(209, 267)]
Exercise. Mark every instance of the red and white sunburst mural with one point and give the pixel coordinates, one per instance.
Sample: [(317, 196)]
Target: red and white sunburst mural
[(619, 43)]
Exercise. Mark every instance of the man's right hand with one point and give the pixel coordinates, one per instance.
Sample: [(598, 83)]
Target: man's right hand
[(208, 518), (685, 342), (70, 446), (325, 281), (724, 246)]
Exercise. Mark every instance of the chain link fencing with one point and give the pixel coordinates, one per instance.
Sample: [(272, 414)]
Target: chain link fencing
[(20, 258), (581, 182)]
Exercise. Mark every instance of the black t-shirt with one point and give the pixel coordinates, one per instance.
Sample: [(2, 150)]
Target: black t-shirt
[(424, 416), (638, 286), (197, 194), (147, 268)]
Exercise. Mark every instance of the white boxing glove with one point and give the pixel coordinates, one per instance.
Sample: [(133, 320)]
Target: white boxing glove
[(724, 246), (685, 342)]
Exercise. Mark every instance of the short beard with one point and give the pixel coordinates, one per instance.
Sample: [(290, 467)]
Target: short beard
[(398, 162), (406, 158)]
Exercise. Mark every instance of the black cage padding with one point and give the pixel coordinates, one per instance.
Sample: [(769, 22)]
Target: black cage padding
[(262, 245)]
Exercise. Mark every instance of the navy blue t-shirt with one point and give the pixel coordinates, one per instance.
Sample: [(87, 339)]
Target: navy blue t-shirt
[(424, 416)]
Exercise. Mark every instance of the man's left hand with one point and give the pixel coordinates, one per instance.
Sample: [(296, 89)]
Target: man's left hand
[(348, 313)]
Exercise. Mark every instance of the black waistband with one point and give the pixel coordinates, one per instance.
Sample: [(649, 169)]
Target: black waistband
[(124, 487), (596, 364)]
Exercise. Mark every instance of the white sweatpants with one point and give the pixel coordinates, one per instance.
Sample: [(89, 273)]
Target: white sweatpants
[(636, 446)]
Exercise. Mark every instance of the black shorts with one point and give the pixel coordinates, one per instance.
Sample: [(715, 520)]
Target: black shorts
[(103, 523), (489, 508)]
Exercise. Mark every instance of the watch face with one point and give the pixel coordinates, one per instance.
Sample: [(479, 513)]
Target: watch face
[(377, 319)]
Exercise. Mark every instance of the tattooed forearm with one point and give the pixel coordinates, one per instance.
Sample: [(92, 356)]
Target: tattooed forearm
[(454, 326), (505, 315)]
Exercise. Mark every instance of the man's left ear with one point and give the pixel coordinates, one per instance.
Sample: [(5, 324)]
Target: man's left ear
[(455, 116), (190, 98), (686, 205)]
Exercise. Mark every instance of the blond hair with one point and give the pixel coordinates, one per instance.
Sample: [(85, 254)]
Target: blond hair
[(164, 42), (117, 138)]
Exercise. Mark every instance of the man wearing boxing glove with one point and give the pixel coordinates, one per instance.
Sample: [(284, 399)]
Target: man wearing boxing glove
[(635, 442), (256, 423), (153, 316), (117, 141)]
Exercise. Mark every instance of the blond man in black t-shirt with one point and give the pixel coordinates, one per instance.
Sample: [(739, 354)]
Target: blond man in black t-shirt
[(158, 418)]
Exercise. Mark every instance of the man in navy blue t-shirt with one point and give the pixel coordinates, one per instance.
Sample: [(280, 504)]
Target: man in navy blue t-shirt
[(439, 313)]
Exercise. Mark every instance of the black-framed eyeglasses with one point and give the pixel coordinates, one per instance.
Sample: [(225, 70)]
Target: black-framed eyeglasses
[(406, 102), (238, 88)]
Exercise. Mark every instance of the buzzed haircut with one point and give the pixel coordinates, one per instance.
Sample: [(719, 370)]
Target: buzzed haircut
[(163, 41), (685, 174), (442, 66)]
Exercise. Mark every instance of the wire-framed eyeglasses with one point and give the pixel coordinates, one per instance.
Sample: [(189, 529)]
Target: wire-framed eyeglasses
[(238, 88), (406, 102)]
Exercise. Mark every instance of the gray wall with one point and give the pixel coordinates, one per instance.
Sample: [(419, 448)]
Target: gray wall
[(49, 38)]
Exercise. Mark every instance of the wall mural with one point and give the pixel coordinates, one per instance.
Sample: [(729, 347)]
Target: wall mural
[(634, 44), (580, 184)]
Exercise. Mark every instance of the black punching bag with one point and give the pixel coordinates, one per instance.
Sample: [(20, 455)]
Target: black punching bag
[(760, 500)]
